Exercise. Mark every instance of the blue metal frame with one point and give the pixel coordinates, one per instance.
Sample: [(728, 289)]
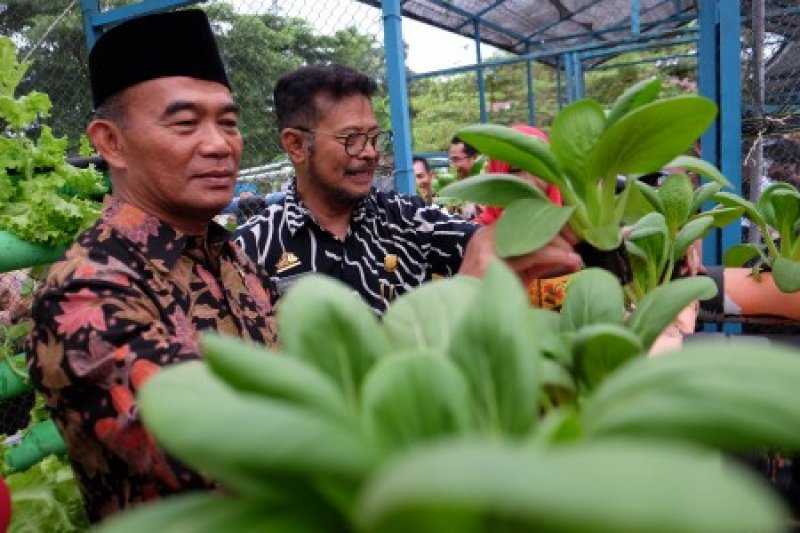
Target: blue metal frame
[(95, 20), (719, 78), (398, 95)]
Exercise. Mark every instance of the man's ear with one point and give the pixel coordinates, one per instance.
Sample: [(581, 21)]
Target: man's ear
[(295, 144), (107, 140)]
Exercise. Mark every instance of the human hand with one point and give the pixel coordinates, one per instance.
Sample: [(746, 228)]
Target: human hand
[(556, 258)]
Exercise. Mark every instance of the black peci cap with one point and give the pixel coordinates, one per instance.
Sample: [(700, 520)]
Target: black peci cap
[(178, 43)]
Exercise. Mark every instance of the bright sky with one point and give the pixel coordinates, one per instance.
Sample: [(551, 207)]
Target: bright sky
[(429, 48)]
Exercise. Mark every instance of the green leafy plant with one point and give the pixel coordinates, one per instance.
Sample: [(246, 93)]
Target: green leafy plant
[(777, 214), (442, 179), (449, 415), (588, 149), (659, 240), (34, 176)]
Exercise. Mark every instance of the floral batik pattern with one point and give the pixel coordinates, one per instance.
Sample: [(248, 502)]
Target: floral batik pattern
[(131, 297)]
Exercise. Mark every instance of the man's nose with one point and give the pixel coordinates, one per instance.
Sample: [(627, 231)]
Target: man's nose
[(216, 142)]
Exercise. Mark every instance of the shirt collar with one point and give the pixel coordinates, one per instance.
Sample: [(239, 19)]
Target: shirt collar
[(298, 215), (159, 243)]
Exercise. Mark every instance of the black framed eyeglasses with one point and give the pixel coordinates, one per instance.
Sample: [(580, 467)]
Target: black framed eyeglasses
[(354, 143)]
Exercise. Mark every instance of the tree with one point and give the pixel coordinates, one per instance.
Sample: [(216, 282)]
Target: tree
[(257, 49)]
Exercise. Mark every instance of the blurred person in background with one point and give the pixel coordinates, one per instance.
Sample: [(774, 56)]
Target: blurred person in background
[(424, 177), (489, 214)]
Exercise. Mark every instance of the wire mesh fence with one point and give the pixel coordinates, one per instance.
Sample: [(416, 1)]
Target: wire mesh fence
[(260, 40), (771, 94)]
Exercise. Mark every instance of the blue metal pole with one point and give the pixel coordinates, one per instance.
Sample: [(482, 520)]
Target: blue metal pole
[(398, 96), (481, 82), (567, 58), (90, 9), (578, 76), (636, 27), (529, 82), (708, 85), (730, 93)]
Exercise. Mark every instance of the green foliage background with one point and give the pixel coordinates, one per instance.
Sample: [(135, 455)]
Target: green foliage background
[(440, 106), (257, 49)]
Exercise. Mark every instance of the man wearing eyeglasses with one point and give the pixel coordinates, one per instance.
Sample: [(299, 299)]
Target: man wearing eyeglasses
[(462, 157), (332, 221)]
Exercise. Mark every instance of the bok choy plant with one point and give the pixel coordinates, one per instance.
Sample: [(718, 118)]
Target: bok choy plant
[(466, 409), (777, 214), (589, 149), (658, 241)]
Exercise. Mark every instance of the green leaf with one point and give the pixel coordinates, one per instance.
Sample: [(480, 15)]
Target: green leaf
[(323, 322), (650, 194), (426, 317), (634, 97), (779, 205), (250, 368), (787, 274), (693, 230), (593, 296), (208, 513), (777, 202), (499, 356), (703, 194), (606, 237), (647, 226), (559, 426), (734, 200), (545, 325), (661, 305), (251, 444), (725, 395), (740, 254), (651, 136), (492, 189), (724, 215), (527, 225), (415, 397), (703, 168), (555, 376), (624, 486), (575, 131), (602, 348), (676, 195), (519, 150)]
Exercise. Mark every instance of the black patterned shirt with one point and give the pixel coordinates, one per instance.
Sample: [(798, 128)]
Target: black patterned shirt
[(132, 296), (394, 243)]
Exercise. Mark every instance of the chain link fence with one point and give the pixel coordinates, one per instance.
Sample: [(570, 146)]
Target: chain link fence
[(771, 94), (260, 40)]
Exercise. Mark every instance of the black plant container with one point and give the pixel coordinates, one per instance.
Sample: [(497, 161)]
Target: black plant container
[(615, 261)]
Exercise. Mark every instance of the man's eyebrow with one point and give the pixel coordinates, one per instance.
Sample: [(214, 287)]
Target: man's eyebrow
[(181, 105), (177, 107)]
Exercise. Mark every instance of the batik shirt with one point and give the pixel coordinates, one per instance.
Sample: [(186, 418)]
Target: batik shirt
[(393, 244), (132, 296)]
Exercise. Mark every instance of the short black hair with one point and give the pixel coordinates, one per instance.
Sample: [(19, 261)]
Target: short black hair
[(422, 160), (468, 148), (295, 93)]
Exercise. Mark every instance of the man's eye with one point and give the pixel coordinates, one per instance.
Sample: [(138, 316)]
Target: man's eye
[(230, 123)]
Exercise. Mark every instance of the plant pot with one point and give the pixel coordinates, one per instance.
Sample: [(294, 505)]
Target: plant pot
[(16, 253), (747, 296), (615, 261), (12, 382), (41, 440)]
